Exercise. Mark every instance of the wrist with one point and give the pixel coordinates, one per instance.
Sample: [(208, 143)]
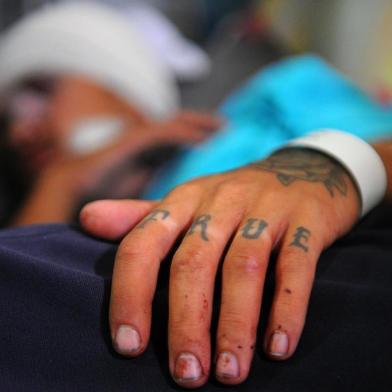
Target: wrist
[(49, 201), (356, 156), (58, 180)]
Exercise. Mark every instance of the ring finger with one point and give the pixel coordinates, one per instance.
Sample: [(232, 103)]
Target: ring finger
[(244, 272), (192, 280)]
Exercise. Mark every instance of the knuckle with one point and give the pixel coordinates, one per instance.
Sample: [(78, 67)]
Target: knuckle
[(234, 321), (293, 254), (134, 254), (227, 186), (270, 197), (191, 322), (245, 263), (231, 188), (129, 252), (289, 265), (291, 270), (190, 188), (189, 261)]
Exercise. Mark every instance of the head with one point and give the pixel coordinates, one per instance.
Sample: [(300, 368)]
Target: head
[(45, 117)]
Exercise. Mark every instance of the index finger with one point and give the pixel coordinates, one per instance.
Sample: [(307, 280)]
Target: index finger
[(201, 119), (136, 270)]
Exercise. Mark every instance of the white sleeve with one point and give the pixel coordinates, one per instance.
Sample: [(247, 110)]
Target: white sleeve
[(359, 159)]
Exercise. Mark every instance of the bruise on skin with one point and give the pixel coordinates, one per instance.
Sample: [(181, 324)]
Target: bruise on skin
[(183, 367), (240, 347), (288, 291)]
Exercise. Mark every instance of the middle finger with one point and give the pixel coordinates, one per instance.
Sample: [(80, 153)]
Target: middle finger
[(192, 281)]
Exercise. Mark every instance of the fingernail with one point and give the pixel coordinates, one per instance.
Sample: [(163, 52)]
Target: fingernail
[(279, 344), (227, 366), (187, 368), (127, 340)]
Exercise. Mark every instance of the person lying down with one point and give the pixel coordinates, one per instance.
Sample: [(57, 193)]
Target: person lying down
[(87, 111), (259, 194)]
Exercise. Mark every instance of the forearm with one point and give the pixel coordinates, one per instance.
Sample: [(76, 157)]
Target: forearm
[(51, 200)]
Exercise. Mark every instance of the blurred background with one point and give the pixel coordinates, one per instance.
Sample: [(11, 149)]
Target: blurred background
[(81, 87), (351, 34)]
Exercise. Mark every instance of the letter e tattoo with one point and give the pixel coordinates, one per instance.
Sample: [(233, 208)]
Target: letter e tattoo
[(301, 235), (202, 222)]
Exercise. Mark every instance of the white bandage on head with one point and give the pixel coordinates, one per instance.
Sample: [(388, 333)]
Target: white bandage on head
[(90, 39), (359, 159)]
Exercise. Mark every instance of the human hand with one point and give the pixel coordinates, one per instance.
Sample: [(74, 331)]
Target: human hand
[(75, 100), (60, 185), (84, 172), (186, 127), (297, 201)]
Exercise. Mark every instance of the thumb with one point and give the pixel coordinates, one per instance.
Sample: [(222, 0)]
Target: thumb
[(113, 219)]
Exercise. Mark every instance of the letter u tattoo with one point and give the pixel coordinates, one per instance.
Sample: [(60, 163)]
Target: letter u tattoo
[(253, 228)]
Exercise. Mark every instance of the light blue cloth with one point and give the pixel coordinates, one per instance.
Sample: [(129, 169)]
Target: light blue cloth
[(286, 100)]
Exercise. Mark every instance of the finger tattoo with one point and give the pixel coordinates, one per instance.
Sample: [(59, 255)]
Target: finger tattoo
[(300, 238), (253, 228), (155, 215), (201, 224)]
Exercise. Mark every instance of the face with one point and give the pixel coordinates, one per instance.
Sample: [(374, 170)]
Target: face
[(43, 122)]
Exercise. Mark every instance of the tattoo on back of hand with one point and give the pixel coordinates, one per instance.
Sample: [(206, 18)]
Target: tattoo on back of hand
[(253, 228), (300, 238), (153, 216), (200, 222), (306, 165)]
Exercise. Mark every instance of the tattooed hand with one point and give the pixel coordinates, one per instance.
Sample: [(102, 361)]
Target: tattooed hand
[(296, 201)]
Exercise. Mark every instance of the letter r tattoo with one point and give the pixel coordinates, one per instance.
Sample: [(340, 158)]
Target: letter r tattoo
[(153, 216), (202, 222)]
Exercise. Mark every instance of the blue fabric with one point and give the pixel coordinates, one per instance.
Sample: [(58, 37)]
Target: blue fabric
[(54, 334), (284, 101)]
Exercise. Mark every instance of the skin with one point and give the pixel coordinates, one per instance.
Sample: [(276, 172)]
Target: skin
[(61, 179), (296, 201)]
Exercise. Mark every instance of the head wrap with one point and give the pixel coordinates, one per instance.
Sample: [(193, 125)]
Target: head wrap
[(90, 39)]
